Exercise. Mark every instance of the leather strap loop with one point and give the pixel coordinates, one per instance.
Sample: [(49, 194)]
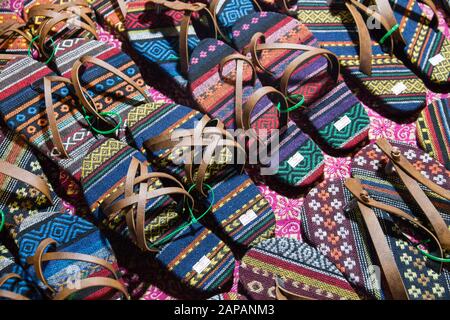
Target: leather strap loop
[(78, 87), (382, 250), (9, 294), (27, 177), (12, 28), (40, 256), (411, 177), (208, 135), (284, 294), (135, 217)]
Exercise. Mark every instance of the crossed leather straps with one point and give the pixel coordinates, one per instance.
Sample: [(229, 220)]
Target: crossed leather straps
[(384, 15), (40, 256), (440, 234), (135, 202), (84, 99), (207, 139), (54, 14), (7, 30)]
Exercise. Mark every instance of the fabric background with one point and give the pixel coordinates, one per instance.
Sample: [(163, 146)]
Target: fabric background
[(287, 210)]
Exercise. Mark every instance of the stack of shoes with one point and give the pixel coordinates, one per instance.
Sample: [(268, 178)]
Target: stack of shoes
[(265, 95)]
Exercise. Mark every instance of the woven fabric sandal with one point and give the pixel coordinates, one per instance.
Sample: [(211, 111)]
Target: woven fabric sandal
[(433, 130), (286, 269), (36, 221), (374, 230), (239, 210), (379, 80)]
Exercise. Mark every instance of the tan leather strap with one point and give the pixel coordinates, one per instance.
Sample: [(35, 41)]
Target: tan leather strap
[(9, 294), (27, 177), (257, 43), (284, 294), (12, 28), (40, 256), (135, 217), (411, 178), (50, 111), (209, 135), (93, 283), (243, 111), (89, 105), (54, 7), (382, 250), (365, 42)]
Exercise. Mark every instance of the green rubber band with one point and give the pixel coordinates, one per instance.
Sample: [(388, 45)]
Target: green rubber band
[(111, 114), (389, 33), (2, 223), (300, 102), (53, 52), (432, 257), (187, 224)]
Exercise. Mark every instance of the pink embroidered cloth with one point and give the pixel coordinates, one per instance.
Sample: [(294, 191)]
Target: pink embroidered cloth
[(287, 210)]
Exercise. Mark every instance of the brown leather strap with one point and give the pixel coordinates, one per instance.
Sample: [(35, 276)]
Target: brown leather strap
[(382, 250), (135, 217), (208, 135), (27, 177), (434, 9), (50, 111), (12, 28), (79, 90), (257, 43), (54, 7), (63, 17), (365, 42), (411, 179), (9, 294), (39, 257), (92, 283), (284, 294)]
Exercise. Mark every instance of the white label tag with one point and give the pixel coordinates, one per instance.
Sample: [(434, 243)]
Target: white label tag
[(295, 159), (201, 265), (399, 88), (248, 217), (342, 123), (437, 59)]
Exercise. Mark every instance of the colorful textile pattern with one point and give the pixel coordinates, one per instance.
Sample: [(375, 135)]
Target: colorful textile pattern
[(327, 103), (194, 255), (423, 42), (339, 234), (228, 296), (18, 286), (300, 268), (154, 35), (217, 97), (233, 195), (392, 89), (433, 130), (421, 279), (33, 218)]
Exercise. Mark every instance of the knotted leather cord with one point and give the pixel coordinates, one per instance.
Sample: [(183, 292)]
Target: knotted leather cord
[(208, 134), (411, 179), (284, 294), (379, 242), (27, 177), (89, 105), (135, 203), (257, 43), (188, 9), (243, 111), (12, 28), (9, 294), (41, 256)]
